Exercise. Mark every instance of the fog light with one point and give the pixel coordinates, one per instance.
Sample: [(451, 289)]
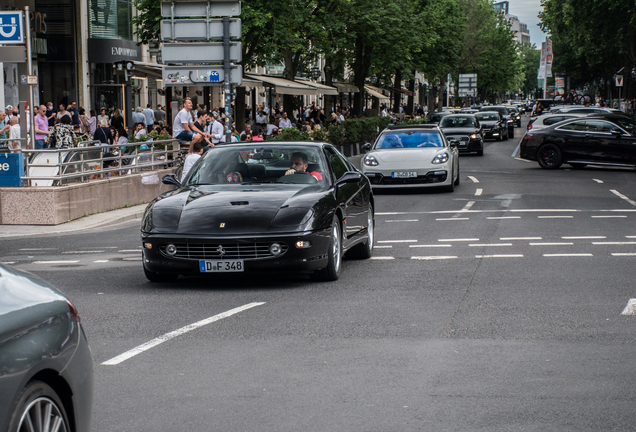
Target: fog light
[(303, 244), (275, 249), (148, 245), (171, 249)]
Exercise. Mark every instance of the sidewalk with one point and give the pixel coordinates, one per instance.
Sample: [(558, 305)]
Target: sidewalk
[(82, 224)]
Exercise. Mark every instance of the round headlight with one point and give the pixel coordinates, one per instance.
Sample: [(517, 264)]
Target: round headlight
[(171, 249), (275, 249)]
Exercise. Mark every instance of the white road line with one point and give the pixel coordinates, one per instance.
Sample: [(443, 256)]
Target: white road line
[(173, 334), (459, 240), (80, 252), (451, 219), (382, 247), (100, 261), (7, 262), (620, 195), (382, 258), (478, 192), (551, 244), (568, 255), (582, 237), (630, 236), (523, 160), (504, 217), (474, 179), (397, 241), (55, 262), (499, 256), (489, 244), (623, 254), (36, 249), (555, 217), (468, 206), (129, 250), (429, 258), (519, 238), (605, 217), (542, 210), (402, 220), (430, 246), (614, 243), (131, 259), (598, 181), (630, 309), (390, 213)]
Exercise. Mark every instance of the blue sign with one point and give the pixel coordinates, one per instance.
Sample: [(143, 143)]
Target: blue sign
[(11, 28), (11, 169)]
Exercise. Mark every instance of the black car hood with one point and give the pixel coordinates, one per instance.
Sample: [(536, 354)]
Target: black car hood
[(459, 131), (232, 209), (488, 124)]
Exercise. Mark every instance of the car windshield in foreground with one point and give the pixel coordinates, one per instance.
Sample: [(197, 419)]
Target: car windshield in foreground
[(627, 123), (456, 122), (487, 117), (412, 139), (245, 164)]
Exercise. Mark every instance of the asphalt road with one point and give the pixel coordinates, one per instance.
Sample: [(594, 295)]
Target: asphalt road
[(497, 307)]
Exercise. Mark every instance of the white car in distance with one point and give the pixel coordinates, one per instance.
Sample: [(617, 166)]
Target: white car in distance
[(415, 156)]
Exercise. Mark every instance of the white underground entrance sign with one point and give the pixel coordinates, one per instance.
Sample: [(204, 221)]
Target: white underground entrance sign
[(11, 28)]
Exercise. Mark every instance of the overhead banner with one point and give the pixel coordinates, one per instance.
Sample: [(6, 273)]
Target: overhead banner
[(548, 57), (544, 55)]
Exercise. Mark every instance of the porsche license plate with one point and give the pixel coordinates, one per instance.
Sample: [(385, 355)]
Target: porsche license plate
[(404, 174), (221, 266)]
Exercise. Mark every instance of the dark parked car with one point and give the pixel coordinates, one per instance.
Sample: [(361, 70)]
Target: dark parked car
[(46, 366), (466, 130), (493, 126), (600, 140), (262, 206), (505, 114), (436, 117)]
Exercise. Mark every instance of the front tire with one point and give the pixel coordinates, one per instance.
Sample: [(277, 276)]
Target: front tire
[(39, 405), (549, 157), (334, 260)]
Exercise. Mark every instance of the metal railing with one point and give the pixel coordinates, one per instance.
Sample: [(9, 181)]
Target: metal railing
[(92, 160)]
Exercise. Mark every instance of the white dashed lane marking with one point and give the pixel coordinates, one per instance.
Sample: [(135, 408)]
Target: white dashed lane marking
[(402, 220), (621, 196), (555, 217), (430, 246), (569, 255), (459, 240), (55, 262), (504, 217), (478, 192), (630, 309), (519, 238), (397, 241), (473, 179), (617, 254), (382, 258), (550, 244), (430, 258), (383, 247), (500, 256), (489, 244), (582, 237), (83, 252), (451, 219), (598, 181), (613, 243), (37, 249)]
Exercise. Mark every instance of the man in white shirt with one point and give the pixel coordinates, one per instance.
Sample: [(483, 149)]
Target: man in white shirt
[(284, 122), (14, 133), (184, 128), (191, 159), (149, 116), (217, 129)]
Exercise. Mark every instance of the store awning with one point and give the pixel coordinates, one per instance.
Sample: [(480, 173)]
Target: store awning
[(380, 96), (377, 89), (401, 90), (150, 70), (321, 88), (284, 86), (346, 88)]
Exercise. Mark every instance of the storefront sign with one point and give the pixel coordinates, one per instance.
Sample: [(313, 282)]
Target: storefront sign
[(112, 50), (11, 24), (11, 169)]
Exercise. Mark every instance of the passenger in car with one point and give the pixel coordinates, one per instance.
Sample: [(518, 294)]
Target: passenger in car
[(300, 163)]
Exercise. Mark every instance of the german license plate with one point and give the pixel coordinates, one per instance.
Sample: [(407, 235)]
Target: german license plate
[(404, 174), (221, 266)]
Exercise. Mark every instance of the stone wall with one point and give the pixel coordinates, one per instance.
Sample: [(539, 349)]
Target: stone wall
[(58, 204)]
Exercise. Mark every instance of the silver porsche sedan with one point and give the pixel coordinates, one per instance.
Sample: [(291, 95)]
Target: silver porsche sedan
[(412, 156)]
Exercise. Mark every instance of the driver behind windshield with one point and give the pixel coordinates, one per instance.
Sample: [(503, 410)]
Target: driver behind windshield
[(300, 163)]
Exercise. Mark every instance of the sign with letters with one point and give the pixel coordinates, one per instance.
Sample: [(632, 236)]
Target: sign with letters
[(11, 169), (11, 28)]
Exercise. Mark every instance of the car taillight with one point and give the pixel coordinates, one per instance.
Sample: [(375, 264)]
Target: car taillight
[(527, 136), (73, 310), (529, 126)]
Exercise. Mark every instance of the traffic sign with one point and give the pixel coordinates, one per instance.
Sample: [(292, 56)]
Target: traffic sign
[(198, 29), (619, 80), (212, 52), (188, 9), (11, 30), (32, 79), (467, 86), (204, 75)]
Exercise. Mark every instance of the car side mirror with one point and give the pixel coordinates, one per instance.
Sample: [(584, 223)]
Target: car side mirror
[(366, 147), (171, 179), (350, 177)]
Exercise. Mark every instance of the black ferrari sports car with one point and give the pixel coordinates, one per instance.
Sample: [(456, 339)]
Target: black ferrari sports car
[(262, 206)]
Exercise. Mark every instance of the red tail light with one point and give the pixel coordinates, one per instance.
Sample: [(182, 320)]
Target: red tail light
[(73, 310)]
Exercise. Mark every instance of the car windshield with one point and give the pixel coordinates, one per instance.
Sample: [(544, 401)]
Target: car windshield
[(627, 123), (410, 139), (456, 122), (257, 163), (487, 117)]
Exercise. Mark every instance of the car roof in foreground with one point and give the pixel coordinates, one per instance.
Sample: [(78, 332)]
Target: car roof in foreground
[(252, 144), (414, 126)]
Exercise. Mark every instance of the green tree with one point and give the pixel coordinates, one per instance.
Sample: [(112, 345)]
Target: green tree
[(531, 58)]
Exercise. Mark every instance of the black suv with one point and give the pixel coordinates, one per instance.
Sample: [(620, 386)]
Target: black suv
[(505, 114)]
